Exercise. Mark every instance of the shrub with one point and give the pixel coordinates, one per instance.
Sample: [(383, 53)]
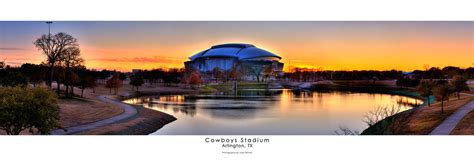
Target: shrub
[(35, 109)]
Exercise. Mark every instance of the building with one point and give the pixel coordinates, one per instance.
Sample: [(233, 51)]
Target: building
[(249, 60)]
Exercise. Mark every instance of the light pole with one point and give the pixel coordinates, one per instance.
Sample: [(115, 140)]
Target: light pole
[(49, 28)]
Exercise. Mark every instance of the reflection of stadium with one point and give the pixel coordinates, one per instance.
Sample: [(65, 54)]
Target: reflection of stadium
[(246, 58)]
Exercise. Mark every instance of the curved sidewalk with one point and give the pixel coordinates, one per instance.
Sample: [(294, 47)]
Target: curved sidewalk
[(129, 111), (448, 125)]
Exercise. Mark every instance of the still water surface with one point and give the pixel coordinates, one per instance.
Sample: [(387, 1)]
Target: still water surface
[(269, 112)]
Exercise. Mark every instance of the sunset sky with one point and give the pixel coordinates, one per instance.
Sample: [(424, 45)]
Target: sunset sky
[(330, 45)]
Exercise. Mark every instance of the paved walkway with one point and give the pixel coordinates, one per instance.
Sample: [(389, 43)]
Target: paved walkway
[(448, 125), (129, 111)]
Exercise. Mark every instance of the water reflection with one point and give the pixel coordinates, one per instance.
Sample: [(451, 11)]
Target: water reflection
[(269, 112)]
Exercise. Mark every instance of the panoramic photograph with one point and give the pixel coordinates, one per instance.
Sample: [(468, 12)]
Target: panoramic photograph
[(236, 78)]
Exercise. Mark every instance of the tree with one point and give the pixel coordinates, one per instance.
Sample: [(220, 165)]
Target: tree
[(136, 81), (59, 76), (442, 92), (13, 78), (114, 83), (35, 73), (268, 72), (195, 79), (252, 69), (407, 82), (451, 71), (234, 73), (2, 64), (435, 72), (108, 85), (87, 82), (35, 109), (217, 73), (459, 84), (122, 76), (74, 81), (425, 89), (53, 47), (71, 59)]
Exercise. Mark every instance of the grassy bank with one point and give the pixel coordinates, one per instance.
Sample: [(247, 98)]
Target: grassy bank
[(466, 126), (240, 85), (147, 121), (418, 121)]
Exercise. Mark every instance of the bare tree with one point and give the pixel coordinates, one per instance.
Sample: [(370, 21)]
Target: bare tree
[(343, 130), (387, 120), (380, 113), (253, 69), (53, 47)]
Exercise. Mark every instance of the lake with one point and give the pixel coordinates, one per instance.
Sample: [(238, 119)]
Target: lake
[(276, 112)]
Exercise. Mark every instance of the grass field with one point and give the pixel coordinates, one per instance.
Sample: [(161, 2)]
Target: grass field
[(77, 111)]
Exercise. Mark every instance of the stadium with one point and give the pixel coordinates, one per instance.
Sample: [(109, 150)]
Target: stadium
[(252, 62)]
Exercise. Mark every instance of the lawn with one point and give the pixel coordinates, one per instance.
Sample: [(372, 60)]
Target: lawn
[(77, 111), (466, 126), (424, 120)]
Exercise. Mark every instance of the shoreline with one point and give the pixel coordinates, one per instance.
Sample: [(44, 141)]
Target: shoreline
[(146, 122), (382, 126)]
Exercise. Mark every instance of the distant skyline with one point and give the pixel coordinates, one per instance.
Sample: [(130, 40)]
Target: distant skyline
[(330, 45)]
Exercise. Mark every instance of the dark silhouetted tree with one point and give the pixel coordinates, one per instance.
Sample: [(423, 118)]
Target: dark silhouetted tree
[(53, 47), (13, 78), (114, 83), (122, 76), (459, 84), (136, 81), (35, 73), (87, 82), (71, 59), (74, 81), (425, 89), (407, 82)]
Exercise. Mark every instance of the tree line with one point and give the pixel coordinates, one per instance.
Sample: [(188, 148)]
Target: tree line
[(303, 74)]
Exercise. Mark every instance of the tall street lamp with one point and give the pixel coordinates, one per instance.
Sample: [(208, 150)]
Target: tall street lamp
[(49, 28)]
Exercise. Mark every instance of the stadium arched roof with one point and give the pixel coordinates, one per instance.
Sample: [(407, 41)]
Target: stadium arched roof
[(238, 50)]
